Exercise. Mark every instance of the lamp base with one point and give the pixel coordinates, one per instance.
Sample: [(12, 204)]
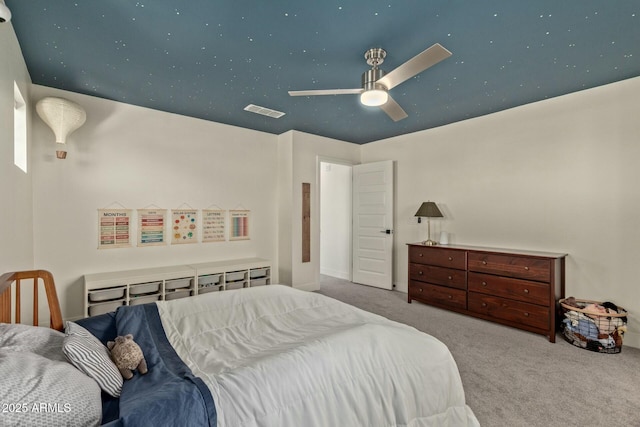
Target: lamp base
[(429, 243)]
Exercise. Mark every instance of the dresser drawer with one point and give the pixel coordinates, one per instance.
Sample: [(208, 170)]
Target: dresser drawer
[(518, 289), (513, 311), (438, 295), (438, 275), (437, 256), (512, 266)]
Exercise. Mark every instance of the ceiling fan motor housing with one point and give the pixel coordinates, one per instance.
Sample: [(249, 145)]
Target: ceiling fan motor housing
[(370, 77), (374, 56)]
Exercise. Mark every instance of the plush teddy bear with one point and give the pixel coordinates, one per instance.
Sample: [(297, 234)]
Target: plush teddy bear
[(127, 355)]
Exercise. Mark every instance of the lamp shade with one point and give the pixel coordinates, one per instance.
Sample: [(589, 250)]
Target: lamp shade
[(5, 13), (63, 117), (429, 210)]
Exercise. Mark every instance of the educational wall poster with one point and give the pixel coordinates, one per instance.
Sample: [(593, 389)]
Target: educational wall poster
[(114, 228), (213, 225), (184, 226), (151, 227), (239, 220)]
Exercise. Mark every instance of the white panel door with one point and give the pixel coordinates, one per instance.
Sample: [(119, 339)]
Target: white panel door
[(373, 224)]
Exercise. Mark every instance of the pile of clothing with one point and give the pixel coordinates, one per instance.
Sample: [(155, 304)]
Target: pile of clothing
[(590, 325)]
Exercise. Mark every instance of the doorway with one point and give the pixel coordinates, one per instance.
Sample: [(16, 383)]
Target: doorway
[(356, 222), (335, 219)]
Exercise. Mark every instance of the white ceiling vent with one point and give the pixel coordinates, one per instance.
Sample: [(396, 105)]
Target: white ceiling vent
[(264, 111)]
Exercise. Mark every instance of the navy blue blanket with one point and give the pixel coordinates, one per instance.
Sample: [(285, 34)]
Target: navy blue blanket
[(169, 394)]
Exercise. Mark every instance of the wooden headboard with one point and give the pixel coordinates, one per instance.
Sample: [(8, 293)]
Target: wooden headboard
[(35, 277)]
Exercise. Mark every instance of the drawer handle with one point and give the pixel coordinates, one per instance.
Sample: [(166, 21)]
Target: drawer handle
[(526, 268), (450, 278), (450, 259), (526, 291), (484, 283), (484, 262), (420, 255), (484, 304), (526, 314), (420, 289), (450, 296), (420, 273)]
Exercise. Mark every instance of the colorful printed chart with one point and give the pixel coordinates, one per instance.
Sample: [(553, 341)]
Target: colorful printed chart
[(213, 225), (151, 227), (114, 227), (184, 226), (239, 225)]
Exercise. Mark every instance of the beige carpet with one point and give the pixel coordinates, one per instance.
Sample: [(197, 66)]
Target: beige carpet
[(515, 378)]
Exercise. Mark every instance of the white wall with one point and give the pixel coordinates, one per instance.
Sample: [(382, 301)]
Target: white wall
[(559, 175), (137, 157), (285, 207), (335, 220), (16, 230), (307, 151)]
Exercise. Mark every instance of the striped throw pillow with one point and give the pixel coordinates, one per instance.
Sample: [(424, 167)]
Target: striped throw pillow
[(90, 356)]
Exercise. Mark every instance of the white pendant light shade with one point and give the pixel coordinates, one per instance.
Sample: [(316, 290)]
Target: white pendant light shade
[(5, 13), (374, 97), (63, 117)]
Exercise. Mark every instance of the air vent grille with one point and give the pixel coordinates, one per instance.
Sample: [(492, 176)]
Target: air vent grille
[(264, 111)]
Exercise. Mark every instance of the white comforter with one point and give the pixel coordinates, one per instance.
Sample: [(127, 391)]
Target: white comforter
[(276, 356)]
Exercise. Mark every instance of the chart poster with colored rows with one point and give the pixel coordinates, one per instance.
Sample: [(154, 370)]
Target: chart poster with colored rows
[(184, 226), (114, 228), (213, 225), (239, 220), (151, 227)]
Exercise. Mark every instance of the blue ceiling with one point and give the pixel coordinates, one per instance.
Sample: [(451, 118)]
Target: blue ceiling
[(210, 59)]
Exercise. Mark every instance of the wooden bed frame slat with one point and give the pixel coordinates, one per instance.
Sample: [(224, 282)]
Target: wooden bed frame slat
[(18, 320), (37, 276), (35, 302)]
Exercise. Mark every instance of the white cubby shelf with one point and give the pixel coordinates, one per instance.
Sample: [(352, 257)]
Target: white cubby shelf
[(105, 292)]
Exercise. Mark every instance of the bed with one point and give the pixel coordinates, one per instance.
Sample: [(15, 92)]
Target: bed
[(265, 356)]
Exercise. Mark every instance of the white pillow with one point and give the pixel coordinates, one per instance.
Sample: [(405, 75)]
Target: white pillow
[(89, 355), (40, 340), (36, 391)]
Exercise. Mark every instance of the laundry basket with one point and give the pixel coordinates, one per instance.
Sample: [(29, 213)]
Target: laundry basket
[(593, 325)]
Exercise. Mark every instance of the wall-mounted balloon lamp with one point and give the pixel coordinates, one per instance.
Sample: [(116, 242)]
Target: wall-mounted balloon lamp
[(63, 117)]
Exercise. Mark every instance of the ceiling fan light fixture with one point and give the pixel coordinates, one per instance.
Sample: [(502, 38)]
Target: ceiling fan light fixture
[(374, 97), (376, 83)]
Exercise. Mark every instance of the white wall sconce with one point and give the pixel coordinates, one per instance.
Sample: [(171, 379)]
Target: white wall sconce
[(63, 117)]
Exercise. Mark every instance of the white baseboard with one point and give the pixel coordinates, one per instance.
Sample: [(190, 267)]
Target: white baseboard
[(335, 273)]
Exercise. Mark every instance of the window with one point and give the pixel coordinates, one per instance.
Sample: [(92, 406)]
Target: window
[(19, 129)]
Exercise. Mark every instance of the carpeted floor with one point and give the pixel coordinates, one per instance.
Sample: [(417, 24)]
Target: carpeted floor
[(512, 377)]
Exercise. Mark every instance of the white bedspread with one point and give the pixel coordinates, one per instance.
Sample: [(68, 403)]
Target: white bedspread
[(276, 356)]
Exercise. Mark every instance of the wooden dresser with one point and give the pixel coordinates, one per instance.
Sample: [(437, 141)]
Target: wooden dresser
[(511, 287)]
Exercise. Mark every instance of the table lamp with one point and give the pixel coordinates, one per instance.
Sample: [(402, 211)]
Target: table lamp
[(429, 210)]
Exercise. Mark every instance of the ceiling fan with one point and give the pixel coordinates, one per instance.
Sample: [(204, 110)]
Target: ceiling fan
[(376, 84)]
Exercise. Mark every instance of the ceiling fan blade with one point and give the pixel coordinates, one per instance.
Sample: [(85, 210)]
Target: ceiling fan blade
[(394, 110), (414, 66), (325, 92)]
